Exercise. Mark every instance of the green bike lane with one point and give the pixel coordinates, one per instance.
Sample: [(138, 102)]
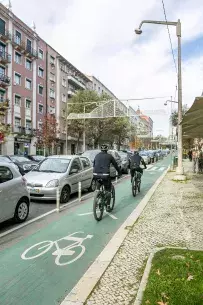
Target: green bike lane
[(45, 280)]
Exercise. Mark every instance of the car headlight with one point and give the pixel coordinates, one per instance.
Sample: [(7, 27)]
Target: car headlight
[(53, 183)]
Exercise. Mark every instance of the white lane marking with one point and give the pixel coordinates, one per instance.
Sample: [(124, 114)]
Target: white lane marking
[(161, 168), (67, 251), (90, 213), (153, 168), (50, 212)]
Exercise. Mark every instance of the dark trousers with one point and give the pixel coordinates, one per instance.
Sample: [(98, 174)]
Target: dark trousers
[(133, 170), (103, 180)]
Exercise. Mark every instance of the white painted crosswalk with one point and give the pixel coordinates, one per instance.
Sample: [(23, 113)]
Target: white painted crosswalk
[(155, 168)]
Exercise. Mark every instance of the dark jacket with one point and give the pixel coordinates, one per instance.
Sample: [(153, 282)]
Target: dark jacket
[(102, 163), (136, 160)]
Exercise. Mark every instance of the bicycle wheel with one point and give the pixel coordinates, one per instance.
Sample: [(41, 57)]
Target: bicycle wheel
[(134, 186), (47, 246), (112, 202), (98, 206), (139, 186)]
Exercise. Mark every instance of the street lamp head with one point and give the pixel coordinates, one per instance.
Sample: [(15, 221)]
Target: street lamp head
[(138, 31)]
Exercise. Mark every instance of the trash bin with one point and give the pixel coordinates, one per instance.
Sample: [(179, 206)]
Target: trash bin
[(175, 161)]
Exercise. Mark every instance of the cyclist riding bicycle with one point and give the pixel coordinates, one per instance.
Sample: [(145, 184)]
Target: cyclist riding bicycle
[(101, 170), (135, 162)]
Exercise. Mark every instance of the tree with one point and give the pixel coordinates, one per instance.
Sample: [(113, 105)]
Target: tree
[(174, 115), (47, 136), (4, 128)]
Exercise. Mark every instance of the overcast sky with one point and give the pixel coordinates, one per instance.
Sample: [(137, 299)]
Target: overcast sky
[(97, 36)]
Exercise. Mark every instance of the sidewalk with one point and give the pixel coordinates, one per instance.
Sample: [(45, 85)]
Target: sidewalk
[(173, 217)]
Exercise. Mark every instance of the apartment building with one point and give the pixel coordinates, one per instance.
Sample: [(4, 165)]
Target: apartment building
[(36, 80), (100, 88)]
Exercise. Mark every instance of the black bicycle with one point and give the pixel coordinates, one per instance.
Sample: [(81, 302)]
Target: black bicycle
[(100, 200), (136, 183)]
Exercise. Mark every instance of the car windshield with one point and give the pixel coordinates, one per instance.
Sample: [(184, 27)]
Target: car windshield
[(91, 154), (4, 159), (38, 158), (143, 154), (53, 165), (19, 159)]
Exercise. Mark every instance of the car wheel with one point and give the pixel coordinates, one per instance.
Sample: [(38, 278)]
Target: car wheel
[(92, 187), (22, 210), (65, 194)]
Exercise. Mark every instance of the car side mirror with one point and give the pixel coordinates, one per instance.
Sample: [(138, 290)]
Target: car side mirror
[(74, 171)]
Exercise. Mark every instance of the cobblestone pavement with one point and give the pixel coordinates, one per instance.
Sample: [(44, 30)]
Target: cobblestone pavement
[(173, 217)]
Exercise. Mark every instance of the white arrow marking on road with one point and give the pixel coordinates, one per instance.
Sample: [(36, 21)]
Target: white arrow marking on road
[(90, 213)]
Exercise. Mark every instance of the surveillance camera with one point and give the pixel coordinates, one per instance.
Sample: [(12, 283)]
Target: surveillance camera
[(138, 31)]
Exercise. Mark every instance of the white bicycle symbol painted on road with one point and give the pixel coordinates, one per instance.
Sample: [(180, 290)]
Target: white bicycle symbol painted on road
[(44, 246)]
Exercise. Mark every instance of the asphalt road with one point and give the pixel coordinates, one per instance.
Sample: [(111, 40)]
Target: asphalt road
[(42, 262)]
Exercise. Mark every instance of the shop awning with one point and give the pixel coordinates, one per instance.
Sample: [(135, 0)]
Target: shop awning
[(193, 120)]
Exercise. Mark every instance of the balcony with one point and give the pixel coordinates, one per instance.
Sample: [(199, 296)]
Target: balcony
[(5, 36), (71, 92), (19, 129), (22, 47), (77, 82), (4, 80), (5, 58)]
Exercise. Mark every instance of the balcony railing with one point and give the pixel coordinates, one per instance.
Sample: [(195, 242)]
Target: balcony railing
[(76, 81), (5, 35), (5, 58), (23, 130), (4, 80), (23, 47)]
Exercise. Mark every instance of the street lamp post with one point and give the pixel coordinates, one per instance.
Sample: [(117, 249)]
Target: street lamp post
[(177, 24)]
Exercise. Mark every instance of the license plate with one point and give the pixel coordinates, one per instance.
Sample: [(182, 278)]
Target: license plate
[(35, 191)]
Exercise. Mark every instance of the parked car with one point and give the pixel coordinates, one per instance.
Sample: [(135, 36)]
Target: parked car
[(14, 196), (91, 154), (152, 155), (22, 162), (5, 159), (63, 172), (124, 162), (145, 157), (116, 156), (36, 158)]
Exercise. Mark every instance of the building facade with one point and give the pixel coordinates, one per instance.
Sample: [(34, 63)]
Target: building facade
[(100, 88)]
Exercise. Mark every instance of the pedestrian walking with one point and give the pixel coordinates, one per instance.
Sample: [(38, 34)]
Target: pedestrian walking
[(195, 159), (190, 155), (200, 165)]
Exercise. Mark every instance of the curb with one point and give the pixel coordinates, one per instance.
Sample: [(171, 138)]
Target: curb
[(87, 283), (147, 270)]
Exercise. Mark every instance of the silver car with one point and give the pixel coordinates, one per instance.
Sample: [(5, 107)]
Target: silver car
[(14, 196), (145, 157), (124, 162), (60, 172)]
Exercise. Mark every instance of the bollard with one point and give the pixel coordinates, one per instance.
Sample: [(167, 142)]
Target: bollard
[(57, 200), (116, 177), (79, 191)]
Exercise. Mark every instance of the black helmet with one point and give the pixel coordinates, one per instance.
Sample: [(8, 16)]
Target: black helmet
[(136, 152), (104, 147)]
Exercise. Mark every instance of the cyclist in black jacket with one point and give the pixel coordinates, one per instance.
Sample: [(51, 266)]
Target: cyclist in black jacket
[(101, 170), (135, 162)]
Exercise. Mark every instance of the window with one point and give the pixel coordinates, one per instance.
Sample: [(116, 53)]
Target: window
[(29, 45), (2, 93), (51, 110), (64, 82), (18, 58), (28, 64), (41, 72), (40, 125), (40, 108), (2, 26), (40, 89), (28, 84), (18, 37), (5, 174), (52, 93), (17, 79), (63, 98), (85, 162), (52, 60), (17, 122), (41, 54), (52, 77), (28, 104), (76, 166), (17, 100), (28, 124), (2, 70), (99, 89)]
